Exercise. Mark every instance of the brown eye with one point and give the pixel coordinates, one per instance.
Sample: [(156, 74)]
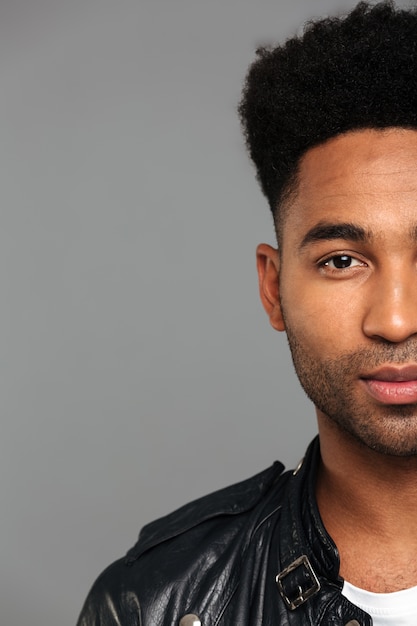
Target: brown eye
[(341, 262)]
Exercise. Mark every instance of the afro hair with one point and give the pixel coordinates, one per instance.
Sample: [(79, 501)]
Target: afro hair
[(341, 74)]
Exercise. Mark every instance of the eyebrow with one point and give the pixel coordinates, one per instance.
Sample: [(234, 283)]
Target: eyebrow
[(328, 230)]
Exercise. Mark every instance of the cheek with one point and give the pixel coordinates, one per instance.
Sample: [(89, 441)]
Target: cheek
[(322, 323)]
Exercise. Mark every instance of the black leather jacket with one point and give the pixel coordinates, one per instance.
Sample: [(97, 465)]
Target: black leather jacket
[(253, 554)]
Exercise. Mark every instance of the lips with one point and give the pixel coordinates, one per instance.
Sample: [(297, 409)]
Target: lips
[(393, 385)]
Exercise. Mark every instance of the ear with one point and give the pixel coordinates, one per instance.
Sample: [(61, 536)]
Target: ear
[(268, 263)]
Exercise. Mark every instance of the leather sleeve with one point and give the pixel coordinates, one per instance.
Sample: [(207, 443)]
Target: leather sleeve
[(187, 562), (109, 602)]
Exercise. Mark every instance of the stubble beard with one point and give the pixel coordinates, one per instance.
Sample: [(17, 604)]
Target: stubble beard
[(332, 385)]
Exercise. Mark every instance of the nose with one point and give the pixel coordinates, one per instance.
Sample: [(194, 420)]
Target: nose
[(391, 313)]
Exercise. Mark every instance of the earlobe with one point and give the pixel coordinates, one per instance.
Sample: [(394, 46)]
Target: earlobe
[(268, 263)]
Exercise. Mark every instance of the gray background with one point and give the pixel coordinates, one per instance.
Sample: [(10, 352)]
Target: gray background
[(138, 370)]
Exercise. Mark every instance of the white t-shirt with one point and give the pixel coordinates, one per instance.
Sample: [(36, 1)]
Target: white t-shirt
[(386, 609)]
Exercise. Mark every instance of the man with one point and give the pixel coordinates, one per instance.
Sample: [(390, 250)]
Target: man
[(330, 120)]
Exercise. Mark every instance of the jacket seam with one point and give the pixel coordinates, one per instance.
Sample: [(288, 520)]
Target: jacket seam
[(229, 598)]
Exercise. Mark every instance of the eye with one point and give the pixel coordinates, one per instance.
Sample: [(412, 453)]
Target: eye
[(341, 262)]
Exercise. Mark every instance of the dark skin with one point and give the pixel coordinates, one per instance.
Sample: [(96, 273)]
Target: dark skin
[(344, 288)]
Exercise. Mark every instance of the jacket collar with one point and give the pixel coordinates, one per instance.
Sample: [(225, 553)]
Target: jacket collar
[(308, 579), (309, 537)]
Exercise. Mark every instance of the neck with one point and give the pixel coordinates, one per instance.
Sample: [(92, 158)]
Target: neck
[(368, 503)]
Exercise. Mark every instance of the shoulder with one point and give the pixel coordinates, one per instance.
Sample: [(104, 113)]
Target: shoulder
[(107, 604), (233, 500), (175, 550)]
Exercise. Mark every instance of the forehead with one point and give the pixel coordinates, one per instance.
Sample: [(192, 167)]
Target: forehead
[(361, 176)]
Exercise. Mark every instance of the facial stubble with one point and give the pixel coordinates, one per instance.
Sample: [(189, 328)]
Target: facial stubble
[(333, 385)]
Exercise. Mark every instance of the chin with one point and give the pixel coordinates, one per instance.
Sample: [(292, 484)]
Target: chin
[(395, 435)]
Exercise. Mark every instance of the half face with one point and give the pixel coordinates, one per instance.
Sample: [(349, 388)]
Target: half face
[(344, 285)]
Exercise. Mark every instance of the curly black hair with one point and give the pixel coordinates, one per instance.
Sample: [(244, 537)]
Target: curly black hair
[(342, 74)]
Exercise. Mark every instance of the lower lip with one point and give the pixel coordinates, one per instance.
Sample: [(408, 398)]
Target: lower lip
[(392, 392)]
